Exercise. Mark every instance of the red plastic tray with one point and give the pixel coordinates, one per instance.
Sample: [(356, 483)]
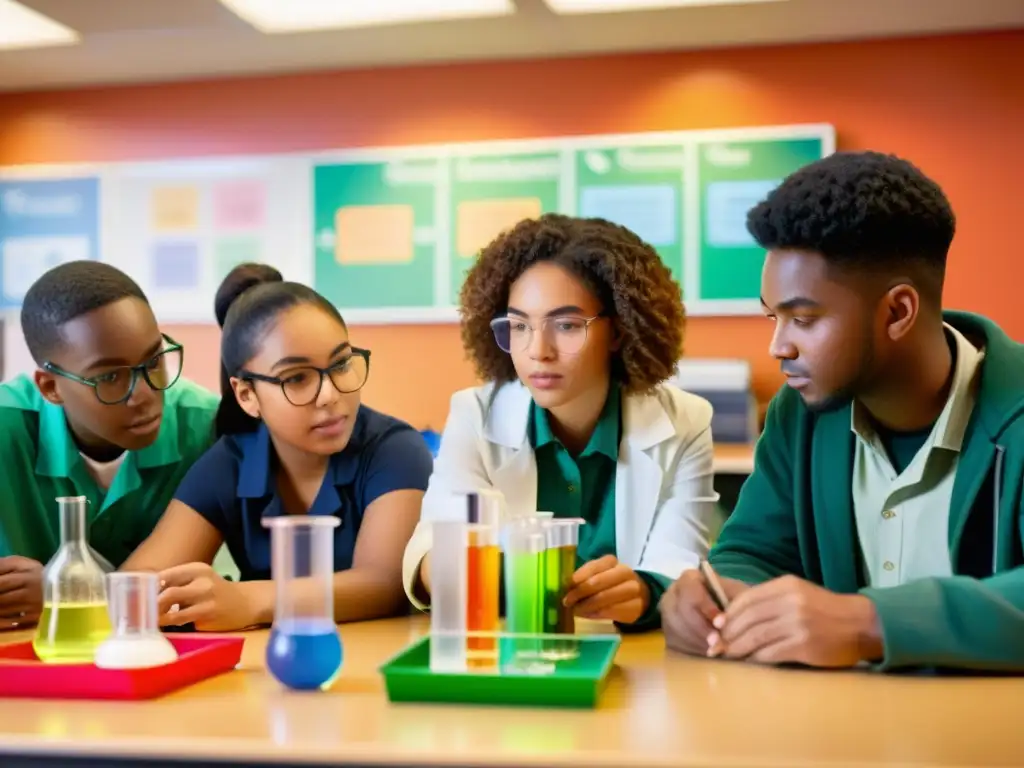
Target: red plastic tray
[(23, 675)]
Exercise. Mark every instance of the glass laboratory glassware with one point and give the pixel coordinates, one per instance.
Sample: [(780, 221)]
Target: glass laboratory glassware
[(562, 537), (74, 620), (304, 650), (483, 582), (448, 596), (523, 549), (525, 545), (136, 642)]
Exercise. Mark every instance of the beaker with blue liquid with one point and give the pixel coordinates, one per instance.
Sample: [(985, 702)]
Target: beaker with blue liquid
[(304, 651)]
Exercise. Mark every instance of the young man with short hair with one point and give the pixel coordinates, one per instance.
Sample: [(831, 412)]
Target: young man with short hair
[(105, 416), (882, 523)]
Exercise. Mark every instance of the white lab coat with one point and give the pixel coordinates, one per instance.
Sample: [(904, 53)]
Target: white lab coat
[(664, 482)]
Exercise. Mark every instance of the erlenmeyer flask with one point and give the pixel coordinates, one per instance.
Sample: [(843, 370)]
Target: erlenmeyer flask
[(74, 620), (304, 649)]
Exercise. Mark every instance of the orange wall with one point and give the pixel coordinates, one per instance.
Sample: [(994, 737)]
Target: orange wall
[(951, 104)]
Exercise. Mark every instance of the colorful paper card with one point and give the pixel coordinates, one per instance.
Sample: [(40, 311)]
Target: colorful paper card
[(374, 234), (478, 222)]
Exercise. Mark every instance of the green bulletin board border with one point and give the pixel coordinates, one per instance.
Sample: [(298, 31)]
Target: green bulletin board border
[(445, 312)]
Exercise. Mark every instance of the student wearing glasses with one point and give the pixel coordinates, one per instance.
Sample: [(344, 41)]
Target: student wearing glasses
[(294, 440), (106, 415), (576, 324)]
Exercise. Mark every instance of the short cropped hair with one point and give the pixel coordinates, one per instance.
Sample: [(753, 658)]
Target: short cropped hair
[(625, 274), (862, 211), (66, 292)]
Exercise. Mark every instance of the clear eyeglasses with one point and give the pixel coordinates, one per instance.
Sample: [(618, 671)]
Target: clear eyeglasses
[(566, 333)]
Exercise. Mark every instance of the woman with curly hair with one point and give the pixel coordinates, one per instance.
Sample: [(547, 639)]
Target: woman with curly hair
[(576, 324)]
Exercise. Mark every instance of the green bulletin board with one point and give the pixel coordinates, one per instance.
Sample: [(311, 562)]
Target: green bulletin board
[(396, 230), (490, 190), (641, 188), (368, 220), (733, 177)]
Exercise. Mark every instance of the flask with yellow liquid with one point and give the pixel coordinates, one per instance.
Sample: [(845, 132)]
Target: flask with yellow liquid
[(74, 620)]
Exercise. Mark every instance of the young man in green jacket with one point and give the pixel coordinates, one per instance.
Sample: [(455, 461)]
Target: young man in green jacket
[(105, 416), (883, 521)]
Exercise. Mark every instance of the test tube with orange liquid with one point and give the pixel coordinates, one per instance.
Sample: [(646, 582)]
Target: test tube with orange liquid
[(484, 512)]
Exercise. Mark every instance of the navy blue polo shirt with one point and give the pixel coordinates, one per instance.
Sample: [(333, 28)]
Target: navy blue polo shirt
[(232, 485)]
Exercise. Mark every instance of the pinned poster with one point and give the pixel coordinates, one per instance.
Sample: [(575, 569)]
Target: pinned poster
[(179, 227), (44, 223)]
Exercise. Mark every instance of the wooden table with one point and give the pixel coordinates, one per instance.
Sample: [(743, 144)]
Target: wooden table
[(658, 710)]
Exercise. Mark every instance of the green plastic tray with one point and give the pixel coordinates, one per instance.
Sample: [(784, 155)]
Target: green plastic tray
[(524, 673)]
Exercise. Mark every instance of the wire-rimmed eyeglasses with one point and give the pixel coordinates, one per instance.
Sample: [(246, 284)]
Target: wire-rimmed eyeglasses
[(566, 333)]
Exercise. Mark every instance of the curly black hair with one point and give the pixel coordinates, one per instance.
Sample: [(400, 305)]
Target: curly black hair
[(66, 292), (626, 274), (864, 211)]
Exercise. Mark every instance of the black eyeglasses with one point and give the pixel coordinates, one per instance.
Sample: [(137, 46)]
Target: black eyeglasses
[(116, 385), (302, 385)]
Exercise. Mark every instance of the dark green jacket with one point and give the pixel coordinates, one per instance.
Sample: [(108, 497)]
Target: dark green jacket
[(795, 516)]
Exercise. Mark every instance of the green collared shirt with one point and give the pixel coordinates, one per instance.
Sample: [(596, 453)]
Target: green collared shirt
[(40, 462), (584, 486), (901, 496)]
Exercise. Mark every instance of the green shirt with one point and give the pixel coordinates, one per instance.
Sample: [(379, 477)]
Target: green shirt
[(796, 515), (584, 486), (41, 462)]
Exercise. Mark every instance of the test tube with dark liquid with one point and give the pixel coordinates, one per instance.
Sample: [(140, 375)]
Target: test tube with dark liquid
[(561, 536)]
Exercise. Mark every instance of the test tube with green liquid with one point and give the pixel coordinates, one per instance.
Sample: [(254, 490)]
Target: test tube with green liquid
[(524, 545), (524, 578)]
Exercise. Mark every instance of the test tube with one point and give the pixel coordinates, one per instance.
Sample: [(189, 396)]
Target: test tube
[(137, 641), (483, 572), (304, 649), (562, 536), (523, 551), (485, 506), (525, 545), (448, 617)]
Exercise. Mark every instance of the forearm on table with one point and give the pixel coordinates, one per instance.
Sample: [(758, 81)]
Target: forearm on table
[(368, 593), (359, 594)]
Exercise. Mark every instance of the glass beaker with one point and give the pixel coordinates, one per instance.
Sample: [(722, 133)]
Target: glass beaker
[(137, 641), (304, 649), (74, 620)]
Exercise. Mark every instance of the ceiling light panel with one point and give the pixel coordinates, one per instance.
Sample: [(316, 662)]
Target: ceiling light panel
[(22, 27), (279, 16), (608, 6)]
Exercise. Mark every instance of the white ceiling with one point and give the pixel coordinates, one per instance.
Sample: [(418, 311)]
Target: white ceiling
[(159, 40)]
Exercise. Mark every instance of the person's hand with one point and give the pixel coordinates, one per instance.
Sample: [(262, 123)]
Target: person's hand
[(21, 592), (687, 611), (609, 590), (792, 620), (203, 598)]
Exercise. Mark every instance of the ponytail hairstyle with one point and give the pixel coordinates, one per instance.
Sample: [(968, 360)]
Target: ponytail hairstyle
[(247, 304)]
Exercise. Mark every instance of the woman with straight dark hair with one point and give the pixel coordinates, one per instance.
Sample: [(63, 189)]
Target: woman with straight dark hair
[(294, 439)]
